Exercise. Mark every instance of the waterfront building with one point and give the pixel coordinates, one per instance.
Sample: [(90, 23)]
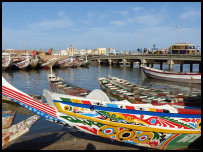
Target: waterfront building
[(63, 52), (111, 50), (16, 53), (100, 51)]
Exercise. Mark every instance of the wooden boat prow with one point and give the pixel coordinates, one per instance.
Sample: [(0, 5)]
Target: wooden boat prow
[(7, 118), (13, 133)]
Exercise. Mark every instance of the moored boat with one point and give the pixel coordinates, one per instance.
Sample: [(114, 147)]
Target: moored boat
[(34, 62), (14, 132), (123, 89), (23, 64), (49, 63), (58, 84), (6, 64), (159, 127), (7, 118), (64, 63), (172, 76)]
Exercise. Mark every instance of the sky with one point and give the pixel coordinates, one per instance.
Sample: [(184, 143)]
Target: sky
[(124, 26)]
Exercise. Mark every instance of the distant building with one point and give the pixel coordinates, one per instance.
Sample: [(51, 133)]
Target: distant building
[(19, 52), (72, 51), (111, 50), (100, 51), (63, 52)]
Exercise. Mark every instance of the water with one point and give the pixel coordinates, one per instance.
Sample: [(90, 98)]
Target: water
[(34, 81)]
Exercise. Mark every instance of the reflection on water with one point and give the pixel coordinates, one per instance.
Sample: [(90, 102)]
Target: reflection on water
[(16, 107), (34, 81)]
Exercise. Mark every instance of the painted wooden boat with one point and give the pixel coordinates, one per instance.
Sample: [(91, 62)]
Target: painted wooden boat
[(159, 127), (34, 62), (18, 59), (49, 63), (84, 64), (7, 118), (23, 64), (42, 109), (6, 63), (172, 76), (64, 63), (58, 84), (135, 93), (13, 133)]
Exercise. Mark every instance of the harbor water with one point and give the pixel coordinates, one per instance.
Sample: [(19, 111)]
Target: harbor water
[(34, 81)]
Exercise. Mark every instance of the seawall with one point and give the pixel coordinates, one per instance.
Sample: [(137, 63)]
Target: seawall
[(45, 58)]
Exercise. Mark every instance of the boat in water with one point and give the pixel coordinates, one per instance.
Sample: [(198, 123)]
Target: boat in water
[(34, 62), (158, 127), (23, 65), (58, 84), (12, 134), (64, 63), (7, 118), (122, 89), (6, 61), (49, 63), (172, 76)]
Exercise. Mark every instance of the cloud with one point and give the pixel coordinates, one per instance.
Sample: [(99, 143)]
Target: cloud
[(61, 13), (118, 23), (52, 24), (137, 8), (148, 17), (191, 14), (90, 14)]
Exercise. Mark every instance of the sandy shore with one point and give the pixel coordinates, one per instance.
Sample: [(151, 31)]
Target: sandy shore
[(70, 141), (76, 141)]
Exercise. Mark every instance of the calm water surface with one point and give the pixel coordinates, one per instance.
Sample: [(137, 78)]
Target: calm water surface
[(34, 81)]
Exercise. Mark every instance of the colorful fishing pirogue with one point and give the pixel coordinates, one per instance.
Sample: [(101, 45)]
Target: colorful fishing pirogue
[(11, 133), (7, 118), (160, 127), (58, 84), (123, 89)]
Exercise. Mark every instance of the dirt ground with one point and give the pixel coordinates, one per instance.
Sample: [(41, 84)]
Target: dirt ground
[(77, 141), (70, 141)]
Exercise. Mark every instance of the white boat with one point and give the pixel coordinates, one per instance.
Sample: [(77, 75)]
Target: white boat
[(23, 64), (64, 63), (49, 63), (172, 76), (6, 61)]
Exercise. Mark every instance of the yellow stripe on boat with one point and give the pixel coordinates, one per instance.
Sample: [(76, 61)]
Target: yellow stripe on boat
[(141, 128)]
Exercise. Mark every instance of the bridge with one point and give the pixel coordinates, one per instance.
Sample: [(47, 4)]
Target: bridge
[(147, 59)]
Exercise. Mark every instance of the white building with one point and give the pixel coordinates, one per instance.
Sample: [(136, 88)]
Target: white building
[(63, 52), (100, 51)]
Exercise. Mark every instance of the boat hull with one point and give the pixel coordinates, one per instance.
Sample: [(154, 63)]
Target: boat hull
[(49, 64), (10, 135), (34, 63), (186, 78), (138, 129)]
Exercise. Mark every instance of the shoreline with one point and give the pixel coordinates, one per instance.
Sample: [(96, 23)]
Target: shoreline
[(73, 140), (76, 140)]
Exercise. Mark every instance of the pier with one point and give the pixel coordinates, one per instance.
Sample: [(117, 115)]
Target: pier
[(150, 59)]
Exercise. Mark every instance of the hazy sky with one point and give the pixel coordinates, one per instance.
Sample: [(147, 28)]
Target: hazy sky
[(121, 25)]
